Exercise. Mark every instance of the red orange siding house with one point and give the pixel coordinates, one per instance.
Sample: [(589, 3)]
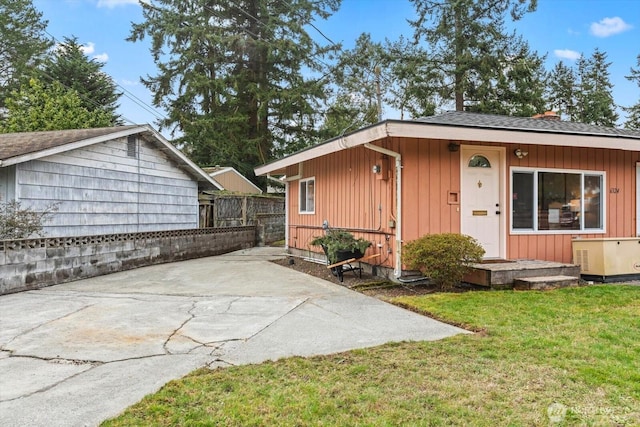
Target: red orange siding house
[(525, 188)]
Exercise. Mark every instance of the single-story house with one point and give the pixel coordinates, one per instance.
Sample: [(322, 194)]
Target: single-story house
[(231, 180), (525, 188), (103, 181)]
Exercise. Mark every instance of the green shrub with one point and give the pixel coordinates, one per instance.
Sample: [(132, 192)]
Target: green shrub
[(444, 258), (339, 240)]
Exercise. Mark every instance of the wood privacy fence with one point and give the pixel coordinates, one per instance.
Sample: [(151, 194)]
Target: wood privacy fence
[(228, 210), (266, 213)]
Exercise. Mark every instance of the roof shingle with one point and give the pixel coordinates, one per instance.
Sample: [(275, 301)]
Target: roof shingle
[(491, 121), (18, 144)]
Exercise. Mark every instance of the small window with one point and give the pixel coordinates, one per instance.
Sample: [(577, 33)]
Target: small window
[(307, 195), (478, 161), (132, 146)]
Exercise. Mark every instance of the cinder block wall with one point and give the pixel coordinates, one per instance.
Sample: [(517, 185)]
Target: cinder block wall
[(269, 228), (36, 263)]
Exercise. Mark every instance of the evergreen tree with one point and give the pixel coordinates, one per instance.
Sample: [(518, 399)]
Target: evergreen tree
[(233, 75), (36, 107), (594, 98), (23, 43), (413, 83), (356, 99), (470, 48), (561, 91), (69, 66), (633, 119), (512, 86)]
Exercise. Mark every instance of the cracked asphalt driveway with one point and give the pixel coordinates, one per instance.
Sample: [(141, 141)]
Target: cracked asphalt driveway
[(79, 353)]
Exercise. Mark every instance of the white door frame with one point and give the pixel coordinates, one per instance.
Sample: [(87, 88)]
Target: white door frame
[(465, 152)]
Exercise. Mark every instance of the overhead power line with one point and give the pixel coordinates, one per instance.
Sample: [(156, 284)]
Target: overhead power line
[(126, 93)]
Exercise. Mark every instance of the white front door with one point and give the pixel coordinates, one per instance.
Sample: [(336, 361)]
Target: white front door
[(481, 200)]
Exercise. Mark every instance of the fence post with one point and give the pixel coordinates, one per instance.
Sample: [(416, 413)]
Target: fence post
[(244, 210)]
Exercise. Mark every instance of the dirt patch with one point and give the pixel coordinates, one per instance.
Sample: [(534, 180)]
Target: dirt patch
[(369, 285)]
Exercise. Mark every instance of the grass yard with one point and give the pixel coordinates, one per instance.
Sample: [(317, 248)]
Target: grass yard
[(564, 357)]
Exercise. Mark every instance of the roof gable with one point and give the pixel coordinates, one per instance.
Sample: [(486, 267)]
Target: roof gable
[(24, 143), (218, 172), (16, 148)]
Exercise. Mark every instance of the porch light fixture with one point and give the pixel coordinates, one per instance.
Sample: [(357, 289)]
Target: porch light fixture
[(520, 154), (453, 147), (376, 169)]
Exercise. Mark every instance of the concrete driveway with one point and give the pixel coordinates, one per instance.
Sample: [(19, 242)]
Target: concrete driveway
[(79, 353)]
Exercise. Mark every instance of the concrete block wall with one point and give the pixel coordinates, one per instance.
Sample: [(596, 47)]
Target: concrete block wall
[(36, 263), (270, 227)]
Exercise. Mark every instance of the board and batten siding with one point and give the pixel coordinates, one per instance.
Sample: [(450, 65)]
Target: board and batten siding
[(100, 189), (620, 193), (350, 196)]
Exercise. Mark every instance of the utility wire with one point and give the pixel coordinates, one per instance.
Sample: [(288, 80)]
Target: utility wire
[(126, 93), (83, 97)]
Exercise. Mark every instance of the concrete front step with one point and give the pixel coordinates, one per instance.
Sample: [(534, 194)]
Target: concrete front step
[(542, 283)]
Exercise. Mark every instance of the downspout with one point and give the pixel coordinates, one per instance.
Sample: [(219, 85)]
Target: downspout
[(286, 215), (397, 272)]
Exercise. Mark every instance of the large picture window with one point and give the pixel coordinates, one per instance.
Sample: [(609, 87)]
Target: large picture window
[(557, 200), (307, 195)]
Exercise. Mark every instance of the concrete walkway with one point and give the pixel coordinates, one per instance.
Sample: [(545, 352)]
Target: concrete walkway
[(79, 353)]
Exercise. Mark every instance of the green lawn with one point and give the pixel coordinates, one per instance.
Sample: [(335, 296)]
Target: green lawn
[(572, 353)]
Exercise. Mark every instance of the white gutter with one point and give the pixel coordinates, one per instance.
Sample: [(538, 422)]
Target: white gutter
[(397, 272)]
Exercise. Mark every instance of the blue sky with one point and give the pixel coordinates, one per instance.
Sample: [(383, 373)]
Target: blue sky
[(562, 29)]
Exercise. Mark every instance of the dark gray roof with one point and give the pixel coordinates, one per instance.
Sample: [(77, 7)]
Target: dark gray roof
[(491, 121), (19, 144)]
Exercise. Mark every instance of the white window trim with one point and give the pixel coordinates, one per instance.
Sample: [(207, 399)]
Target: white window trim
[(304, 181), (583, 172)]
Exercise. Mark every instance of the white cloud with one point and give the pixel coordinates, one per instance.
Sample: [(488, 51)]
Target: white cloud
[(89, 48), (129, 82), (566, 54), (115, 3), (102, 57), (608, 27)]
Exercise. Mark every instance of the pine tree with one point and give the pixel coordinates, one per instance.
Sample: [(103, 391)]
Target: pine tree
[(233, 75), (633, 119), (594, 98), (512, 86), (412, 86), (561, 91), (469, 46), (23, 43), (357, 89), (69, 66)]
